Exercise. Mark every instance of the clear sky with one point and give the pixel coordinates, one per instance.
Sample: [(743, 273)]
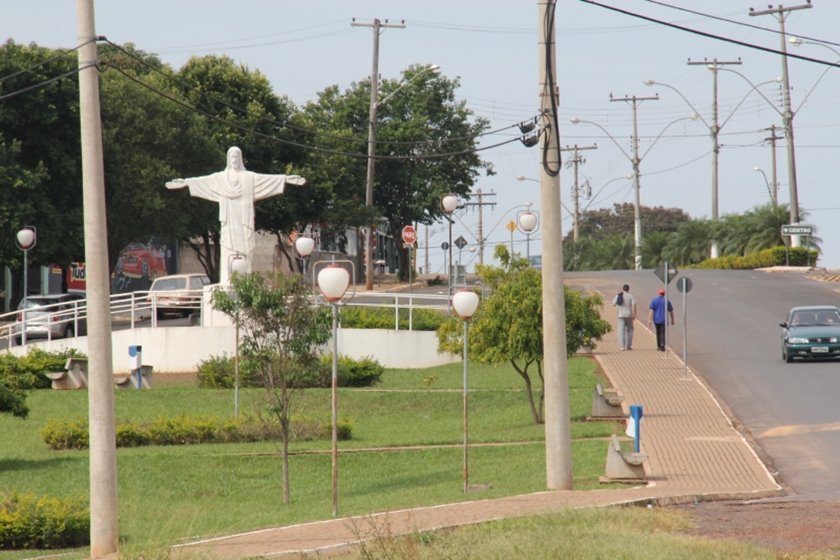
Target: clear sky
[(491, 46)]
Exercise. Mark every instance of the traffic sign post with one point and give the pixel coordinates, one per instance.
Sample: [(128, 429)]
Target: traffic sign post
[(789, 230), (409, 237)]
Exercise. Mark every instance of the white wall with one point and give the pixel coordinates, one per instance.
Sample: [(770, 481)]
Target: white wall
[(180, 349)]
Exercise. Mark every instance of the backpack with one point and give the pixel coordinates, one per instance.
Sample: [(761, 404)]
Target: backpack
[(619, 299)]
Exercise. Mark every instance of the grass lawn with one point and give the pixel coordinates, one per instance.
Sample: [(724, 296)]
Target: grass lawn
[(406, 451)]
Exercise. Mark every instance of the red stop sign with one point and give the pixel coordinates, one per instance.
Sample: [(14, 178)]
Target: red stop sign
[(409, 235)]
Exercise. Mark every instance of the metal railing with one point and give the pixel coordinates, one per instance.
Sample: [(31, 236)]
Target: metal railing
[(145, 309)]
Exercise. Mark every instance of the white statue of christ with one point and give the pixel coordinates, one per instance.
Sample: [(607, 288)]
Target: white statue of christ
[(236, 189)]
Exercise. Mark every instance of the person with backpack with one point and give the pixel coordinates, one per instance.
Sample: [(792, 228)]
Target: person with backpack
[(625, 304)]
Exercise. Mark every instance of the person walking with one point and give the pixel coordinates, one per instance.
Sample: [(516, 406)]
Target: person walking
[(658, 316), (625, 304)]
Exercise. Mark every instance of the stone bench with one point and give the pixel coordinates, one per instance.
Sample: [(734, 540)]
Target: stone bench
[(606, 403), (75, 376), (623, 466), (129, 380)]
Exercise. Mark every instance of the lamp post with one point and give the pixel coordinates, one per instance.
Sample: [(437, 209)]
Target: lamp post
[(304, 247), (528, 222), (375, 102), (787, 118), (333, 281), (26, 239), (465, 304), (635, 161), (449, 203), (771, 190), (238, 264), (780, 14)]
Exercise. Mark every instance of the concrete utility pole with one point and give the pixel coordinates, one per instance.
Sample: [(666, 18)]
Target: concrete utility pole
[(480, 204), (774, 193), (377, 27), (781, 14), (714, 131), (558, 431), (104, 525), (576, 161), (634, 101)]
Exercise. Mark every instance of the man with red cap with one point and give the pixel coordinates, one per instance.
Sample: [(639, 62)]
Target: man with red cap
[(657, 316)]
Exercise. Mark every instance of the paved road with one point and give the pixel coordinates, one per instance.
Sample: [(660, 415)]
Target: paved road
[(790, 410)]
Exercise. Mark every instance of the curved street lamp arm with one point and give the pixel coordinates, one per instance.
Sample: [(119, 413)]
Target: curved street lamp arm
[(604, 130), (434, 68), (754, 88), (813, 87), (684, 98), (655, 140), (731, 113), (604, 186)]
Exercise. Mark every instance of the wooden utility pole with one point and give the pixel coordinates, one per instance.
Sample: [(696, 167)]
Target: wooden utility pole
[(377, 26), (104, 524)]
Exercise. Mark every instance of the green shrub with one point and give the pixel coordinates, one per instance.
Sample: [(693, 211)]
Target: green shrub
[(72, 434), (30, 522), (219, 372), (383, 318), (27, 372), (351, 372), (186, 430)]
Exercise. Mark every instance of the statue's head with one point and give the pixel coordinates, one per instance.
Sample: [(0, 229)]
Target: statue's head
[(234, 159)]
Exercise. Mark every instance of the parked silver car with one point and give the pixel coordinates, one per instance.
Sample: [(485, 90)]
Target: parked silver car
[(51, 316), (178, 294)]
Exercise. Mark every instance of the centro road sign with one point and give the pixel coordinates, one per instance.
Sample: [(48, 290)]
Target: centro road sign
[(796, 229), (409, 235)]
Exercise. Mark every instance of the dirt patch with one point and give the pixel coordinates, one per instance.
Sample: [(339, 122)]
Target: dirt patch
[(168, 379), (785, 526)]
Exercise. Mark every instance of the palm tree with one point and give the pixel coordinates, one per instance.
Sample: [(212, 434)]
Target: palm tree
[(690, 243)]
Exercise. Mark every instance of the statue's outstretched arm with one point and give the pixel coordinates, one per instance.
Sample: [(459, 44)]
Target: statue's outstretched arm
[(176, 184)]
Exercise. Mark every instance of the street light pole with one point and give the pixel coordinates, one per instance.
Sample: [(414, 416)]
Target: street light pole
[(770, 190), (558, 432), (780, 14), (449, 203), (635, 160), (465, 304)]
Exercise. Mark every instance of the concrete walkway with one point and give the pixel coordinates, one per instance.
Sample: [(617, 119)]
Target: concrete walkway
[(694, 453)]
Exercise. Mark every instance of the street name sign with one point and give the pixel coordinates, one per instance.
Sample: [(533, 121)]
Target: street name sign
[(796, 229)]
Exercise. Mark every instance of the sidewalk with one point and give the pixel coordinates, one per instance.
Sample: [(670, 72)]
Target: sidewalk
[(693, 451)]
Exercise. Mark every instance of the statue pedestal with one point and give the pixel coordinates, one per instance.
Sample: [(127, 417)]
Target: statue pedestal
[(209, 316)]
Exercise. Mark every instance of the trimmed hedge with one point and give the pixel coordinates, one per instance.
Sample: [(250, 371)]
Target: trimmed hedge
[(217, 372), (31, 522), (776, 256), (357, 317), (185, 430)]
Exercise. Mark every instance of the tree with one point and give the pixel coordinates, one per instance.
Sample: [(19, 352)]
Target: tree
[(508, 324), (280, 335), (40, 151), (419, 119), (147, 141), (690, 243)]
